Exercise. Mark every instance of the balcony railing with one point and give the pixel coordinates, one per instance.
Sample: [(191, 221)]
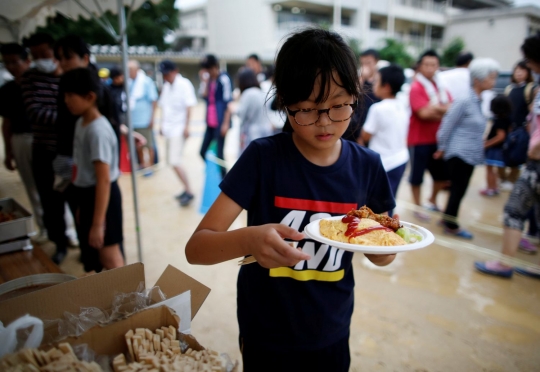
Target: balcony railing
[(424, 4)]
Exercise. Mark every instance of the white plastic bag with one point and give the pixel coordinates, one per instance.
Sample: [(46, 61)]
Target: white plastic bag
[(8, 335)]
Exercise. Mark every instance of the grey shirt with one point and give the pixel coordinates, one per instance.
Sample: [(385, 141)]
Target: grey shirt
[(94, 142), (251, 111), (462, 129)]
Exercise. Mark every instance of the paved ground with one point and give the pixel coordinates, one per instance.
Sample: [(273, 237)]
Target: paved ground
[(428, 311)]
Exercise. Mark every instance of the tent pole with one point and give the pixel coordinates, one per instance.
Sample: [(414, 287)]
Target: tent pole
[(131, 140)]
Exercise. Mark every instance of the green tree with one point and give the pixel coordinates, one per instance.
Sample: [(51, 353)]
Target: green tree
[(148, 25), (451, 52), (395, 52)]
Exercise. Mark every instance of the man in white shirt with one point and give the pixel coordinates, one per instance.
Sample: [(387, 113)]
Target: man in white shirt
[(176, 100), (458, 80)]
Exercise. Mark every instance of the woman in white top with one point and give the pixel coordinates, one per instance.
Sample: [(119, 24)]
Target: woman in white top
[(387, 124)]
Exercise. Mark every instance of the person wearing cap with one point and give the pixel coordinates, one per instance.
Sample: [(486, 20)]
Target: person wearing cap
[(217, 94), (142, 103), (176, 99)]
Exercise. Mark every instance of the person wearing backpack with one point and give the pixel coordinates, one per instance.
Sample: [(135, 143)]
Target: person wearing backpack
[(521, 94)]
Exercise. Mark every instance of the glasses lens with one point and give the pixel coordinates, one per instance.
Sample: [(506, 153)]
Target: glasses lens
[(340, 113), (306, 117)]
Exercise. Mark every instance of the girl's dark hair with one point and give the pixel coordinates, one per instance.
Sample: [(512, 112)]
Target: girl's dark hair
[(531, 48), (71, 44), (522, 65), (308, 55), (501, 106), (247, 79), (81, 81)]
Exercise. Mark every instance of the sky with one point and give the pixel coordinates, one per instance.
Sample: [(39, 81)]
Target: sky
[(522, 2), (181, 4)]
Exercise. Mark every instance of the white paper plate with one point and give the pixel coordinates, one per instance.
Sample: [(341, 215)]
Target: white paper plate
[(312, 232)]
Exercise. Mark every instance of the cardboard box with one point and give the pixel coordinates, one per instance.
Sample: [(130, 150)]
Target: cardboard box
[(97, 290), (110, 339)]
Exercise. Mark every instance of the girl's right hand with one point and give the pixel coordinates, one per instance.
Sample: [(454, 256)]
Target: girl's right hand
[(271, 250)]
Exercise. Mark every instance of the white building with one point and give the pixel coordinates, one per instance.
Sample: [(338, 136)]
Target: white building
[(495, 33), (240, 27)]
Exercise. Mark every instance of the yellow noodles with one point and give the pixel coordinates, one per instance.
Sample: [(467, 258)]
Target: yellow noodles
[(335, 230)]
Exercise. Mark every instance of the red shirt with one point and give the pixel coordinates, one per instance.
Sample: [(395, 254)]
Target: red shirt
[(421, 132)]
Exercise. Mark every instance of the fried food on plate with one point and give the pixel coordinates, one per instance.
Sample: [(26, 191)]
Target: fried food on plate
[(363, 227)]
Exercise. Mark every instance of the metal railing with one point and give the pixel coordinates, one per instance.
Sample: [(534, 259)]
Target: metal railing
[(424, 4)]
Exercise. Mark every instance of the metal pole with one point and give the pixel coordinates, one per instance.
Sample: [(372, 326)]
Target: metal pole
[(132, 155)]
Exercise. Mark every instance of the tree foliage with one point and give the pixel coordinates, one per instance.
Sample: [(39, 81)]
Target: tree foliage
[(148, 25), (451, 52), (395, 52)]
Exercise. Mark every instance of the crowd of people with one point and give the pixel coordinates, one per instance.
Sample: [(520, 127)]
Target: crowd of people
[(44, 133), (343, 134)]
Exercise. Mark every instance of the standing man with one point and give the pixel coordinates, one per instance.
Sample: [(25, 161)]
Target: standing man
[(176, 100), (143, 101), (217, 94), (40, 94), (429, 102), (253, 62), (458, 80), (368, 69), (16, 128)]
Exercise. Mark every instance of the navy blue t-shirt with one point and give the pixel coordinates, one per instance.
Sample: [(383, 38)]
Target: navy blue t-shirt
[(308, 306)]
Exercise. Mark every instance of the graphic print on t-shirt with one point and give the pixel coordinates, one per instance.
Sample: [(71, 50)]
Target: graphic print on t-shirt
[(325, 262)]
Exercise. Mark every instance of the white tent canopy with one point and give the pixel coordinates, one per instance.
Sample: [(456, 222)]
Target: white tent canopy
[(20, 18)]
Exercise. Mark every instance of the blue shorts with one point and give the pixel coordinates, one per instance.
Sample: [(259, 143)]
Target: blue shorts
[(494, 157), (422, 159)]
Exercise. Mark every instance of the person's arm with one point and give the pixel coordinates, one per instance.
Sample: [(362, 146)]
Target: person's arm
[(449, 121), (154, 106), (8, 150), (226, 121), (499, 138), (432, 112), (186, 127), (103, 191), (211, 243)]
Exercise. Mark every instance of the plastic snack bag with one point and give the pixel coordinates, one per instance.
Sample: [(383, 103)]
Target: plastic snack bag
[(9, 339)]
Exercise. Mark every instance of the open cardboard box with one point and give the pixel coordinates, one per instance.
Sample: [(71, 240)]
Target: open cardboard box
[(98, 290)]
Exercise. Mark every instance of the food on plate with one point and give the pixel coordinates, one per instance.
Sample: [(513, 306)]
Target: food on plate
[(364, 227)]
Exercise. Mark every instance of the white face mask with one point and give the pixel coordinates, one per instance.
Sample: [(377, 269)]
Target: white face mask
[(46, 65)]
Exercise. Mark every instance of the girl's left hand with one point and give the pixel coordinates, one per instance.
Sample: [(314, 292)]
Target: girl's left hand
[(382, 259), (96, 236)]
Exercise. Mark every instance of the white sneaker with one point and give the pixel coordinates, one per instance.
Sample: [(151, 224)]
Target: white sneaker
[(506, 186)]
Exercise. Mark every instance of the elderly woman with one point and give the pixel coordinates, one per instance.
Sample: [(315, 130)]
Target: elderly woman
[(460, 139), (526, 191)]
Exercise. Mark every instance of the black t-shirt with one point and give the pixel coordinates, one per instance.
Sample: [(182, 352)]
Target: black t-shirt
[(12, 107), (503, 124), (308, 306)]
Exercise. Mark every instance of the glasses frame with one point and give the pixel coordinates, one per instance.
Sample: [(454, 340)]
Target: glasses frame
[(293, 113)]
